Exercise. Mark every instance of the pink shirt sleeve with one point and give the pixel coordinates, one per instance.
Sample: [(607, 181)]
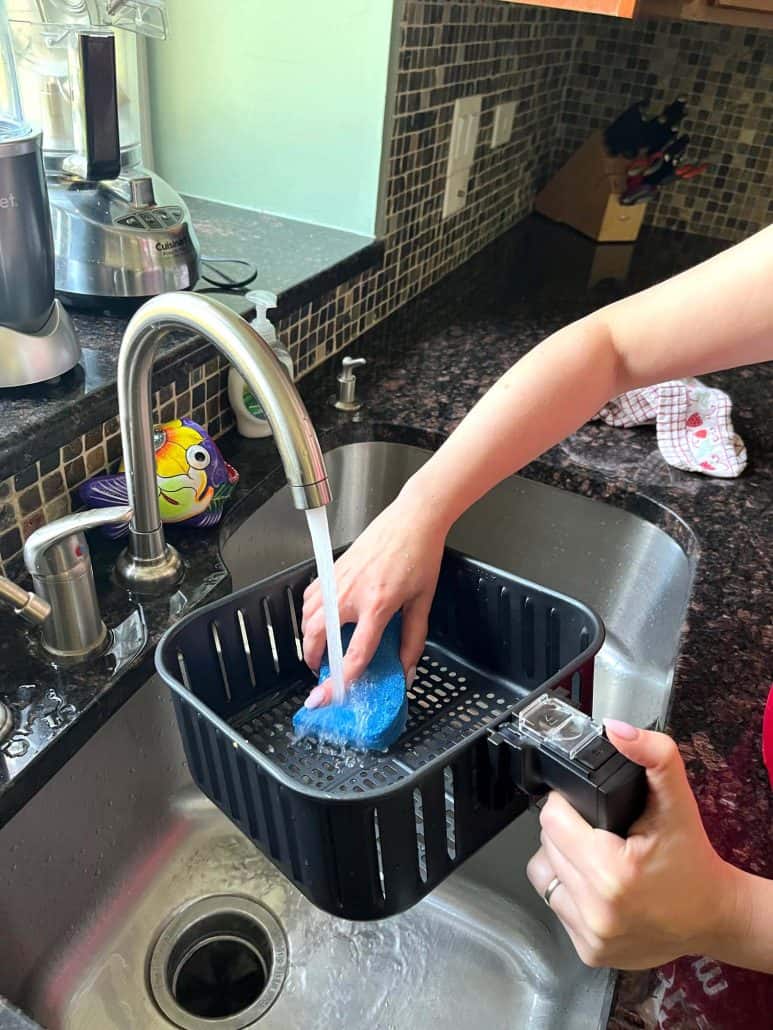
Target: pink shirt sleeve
[(767, 736)]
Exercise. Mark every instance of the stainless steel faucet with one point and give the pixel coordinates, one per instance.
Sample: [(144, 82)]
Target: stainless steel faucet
[(64, 602), (150, 564)]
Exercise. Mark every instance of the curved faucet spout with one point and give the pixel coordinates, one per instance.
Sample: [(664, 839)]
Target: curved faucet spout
[(150, 563)]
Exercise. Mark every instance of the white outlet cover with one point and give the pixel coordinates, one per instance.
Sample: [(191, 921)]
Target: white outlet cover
[(456, 192), (504, 116)]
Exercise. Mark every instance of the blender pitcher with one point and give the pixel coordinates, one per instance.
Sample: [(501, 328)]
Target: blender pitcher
[(121, 233), (12, 123), (37, 341)]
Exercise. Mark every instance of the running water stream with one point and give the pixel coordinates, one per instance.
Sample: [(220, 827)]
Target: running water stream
[(323, 553)]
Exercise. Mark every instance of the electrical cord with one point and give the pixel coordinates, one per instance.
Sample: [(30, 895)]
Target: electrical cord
[(219, 277)]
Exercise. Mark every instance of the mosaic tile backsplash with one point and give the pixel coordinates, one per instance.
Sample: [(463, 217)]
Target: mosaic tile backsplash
[(726, 75), (567, 75), (449, 50)]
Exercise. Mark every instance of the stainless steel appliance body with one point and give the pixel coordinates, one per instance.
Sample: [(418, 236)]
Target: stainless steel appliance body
[(128, 238), (37, 341), (121, 234), (26, 245)]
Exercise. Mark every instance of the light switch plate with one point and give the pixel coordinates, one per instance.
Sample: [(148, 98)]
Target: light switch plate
[(504, 116), (464, 133)]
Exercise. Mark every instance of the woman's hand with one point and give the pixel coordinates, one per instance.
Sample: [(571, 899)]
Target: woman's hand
[(392, 565), (640, 902)]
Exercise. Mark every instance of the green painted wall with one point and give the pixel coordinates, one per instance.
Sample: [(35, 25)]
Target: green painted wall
[(276, 105)]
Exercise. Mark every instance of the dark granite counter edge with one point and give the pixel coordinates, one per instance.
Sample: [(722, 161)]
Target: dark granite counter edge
[(181, 356), (98, 406)]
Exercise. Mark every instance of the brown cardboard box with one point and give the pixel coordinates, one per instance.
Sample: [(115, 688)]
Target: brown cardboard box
[(584, 194)]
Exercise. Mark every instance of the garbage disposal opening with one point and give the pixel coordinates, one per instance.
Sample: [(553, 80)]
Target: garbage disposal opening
[(219, 964)]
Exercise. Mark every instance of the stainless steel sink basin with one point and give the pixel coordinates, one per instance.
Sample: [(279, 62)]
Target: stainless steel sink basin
[(125, 894)]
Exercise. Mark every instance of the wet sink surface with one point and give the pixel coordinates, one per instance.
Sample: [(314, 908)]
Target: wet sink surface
[(119, 841)]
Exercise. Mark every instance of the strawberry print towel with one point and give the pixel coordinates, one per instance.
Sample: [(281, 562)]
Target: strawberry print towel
[(692, 421)]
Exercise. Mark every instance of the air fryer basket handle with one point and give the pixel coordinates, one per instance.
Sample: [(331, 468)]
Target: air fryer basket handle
[(610, 796)]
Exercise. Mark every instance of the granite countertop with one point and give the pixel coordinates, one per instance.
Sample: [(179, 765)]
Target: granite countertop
[(426, 366), (295, 260)]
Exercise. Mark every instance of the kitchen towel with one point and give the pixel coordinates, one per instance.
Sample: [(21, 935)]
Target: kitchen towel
[(693, 425)]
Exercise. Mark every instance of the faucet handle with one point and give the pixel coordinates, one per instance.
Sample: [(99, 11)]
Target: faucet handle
[(57, 557), (42, 556)]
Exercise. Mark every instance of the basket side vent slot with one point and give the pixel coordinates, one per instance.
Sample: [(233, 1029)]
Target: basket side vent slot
[(379, 857), (265, 605), (448, 794), (241, 620), (421, 843), (527, 635), (183, 670), (553, 641), (505, 629), (220, 660), (294, 624)]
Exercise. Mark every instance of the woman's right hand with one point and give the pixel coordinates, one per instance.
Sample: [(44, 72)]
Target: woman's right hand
[(393, 565)]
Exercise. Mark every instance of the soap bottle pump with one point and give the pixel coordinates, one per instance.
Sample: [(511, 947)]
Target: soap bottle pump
[(251, 419)]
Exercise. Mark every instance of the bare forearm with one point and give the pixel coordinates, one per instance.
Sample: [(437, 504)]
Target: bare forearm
[(744, 936)]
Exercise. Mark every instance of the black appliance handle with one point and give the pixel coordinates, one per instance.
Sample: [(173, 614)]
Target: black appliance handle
[(100, 142), (606, 788)]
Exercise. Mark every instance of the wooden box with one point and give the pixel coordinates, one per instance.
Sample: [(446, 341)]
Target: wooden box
[(584, 194)]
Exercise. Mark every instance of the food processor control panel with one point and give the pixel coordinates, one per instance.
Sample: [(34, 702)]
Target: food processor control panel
[(151, 218)]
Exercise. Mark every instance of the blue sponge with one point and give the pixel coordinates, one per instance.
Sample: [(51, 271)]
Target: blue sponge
[(375, 710)]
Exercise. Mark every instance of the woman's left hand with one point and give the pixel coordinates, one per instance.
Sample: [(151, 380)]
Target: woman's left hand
[(643, 901)]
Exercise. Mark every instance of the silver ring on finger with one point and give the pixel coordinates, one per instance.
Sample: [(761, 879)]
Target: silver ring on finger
[(548, 894)]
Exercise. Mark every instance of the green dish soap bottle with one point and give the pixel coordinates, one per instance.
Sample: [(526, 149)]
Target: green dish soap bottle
[(251, 419)]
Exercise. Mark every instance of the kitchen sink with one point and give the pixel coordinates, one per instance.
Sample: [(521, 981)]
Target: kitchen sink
[(129, 902)]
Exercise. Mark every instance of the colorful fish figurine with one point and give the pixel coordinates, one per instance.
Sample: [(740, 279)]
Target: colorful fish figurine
[(194, 479)]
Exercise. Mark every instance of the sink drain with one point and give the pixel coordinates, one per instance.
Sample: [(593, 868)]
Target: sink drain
[(219, 964)]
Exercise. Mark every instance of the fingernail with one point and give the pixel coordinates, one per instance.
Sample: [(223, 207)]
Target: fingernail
[(624, 730), (410, 676), (316, 698)]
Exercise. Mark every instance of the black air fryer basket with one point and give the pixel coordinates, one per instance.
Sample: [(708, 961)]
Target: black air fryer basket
[(367, 834)]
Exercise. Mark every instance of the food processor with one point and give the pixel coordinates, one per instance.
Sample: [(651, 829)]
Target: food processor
[(121, 233), (37, 341)]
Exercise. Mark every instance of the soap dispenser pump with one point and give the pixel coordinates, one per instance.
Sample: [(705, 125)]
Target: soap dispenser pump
[(251, 419)]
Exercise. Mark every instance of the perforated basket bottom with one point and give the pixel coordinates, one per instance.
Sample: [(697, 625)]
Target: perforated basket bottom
[(447, 702)]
